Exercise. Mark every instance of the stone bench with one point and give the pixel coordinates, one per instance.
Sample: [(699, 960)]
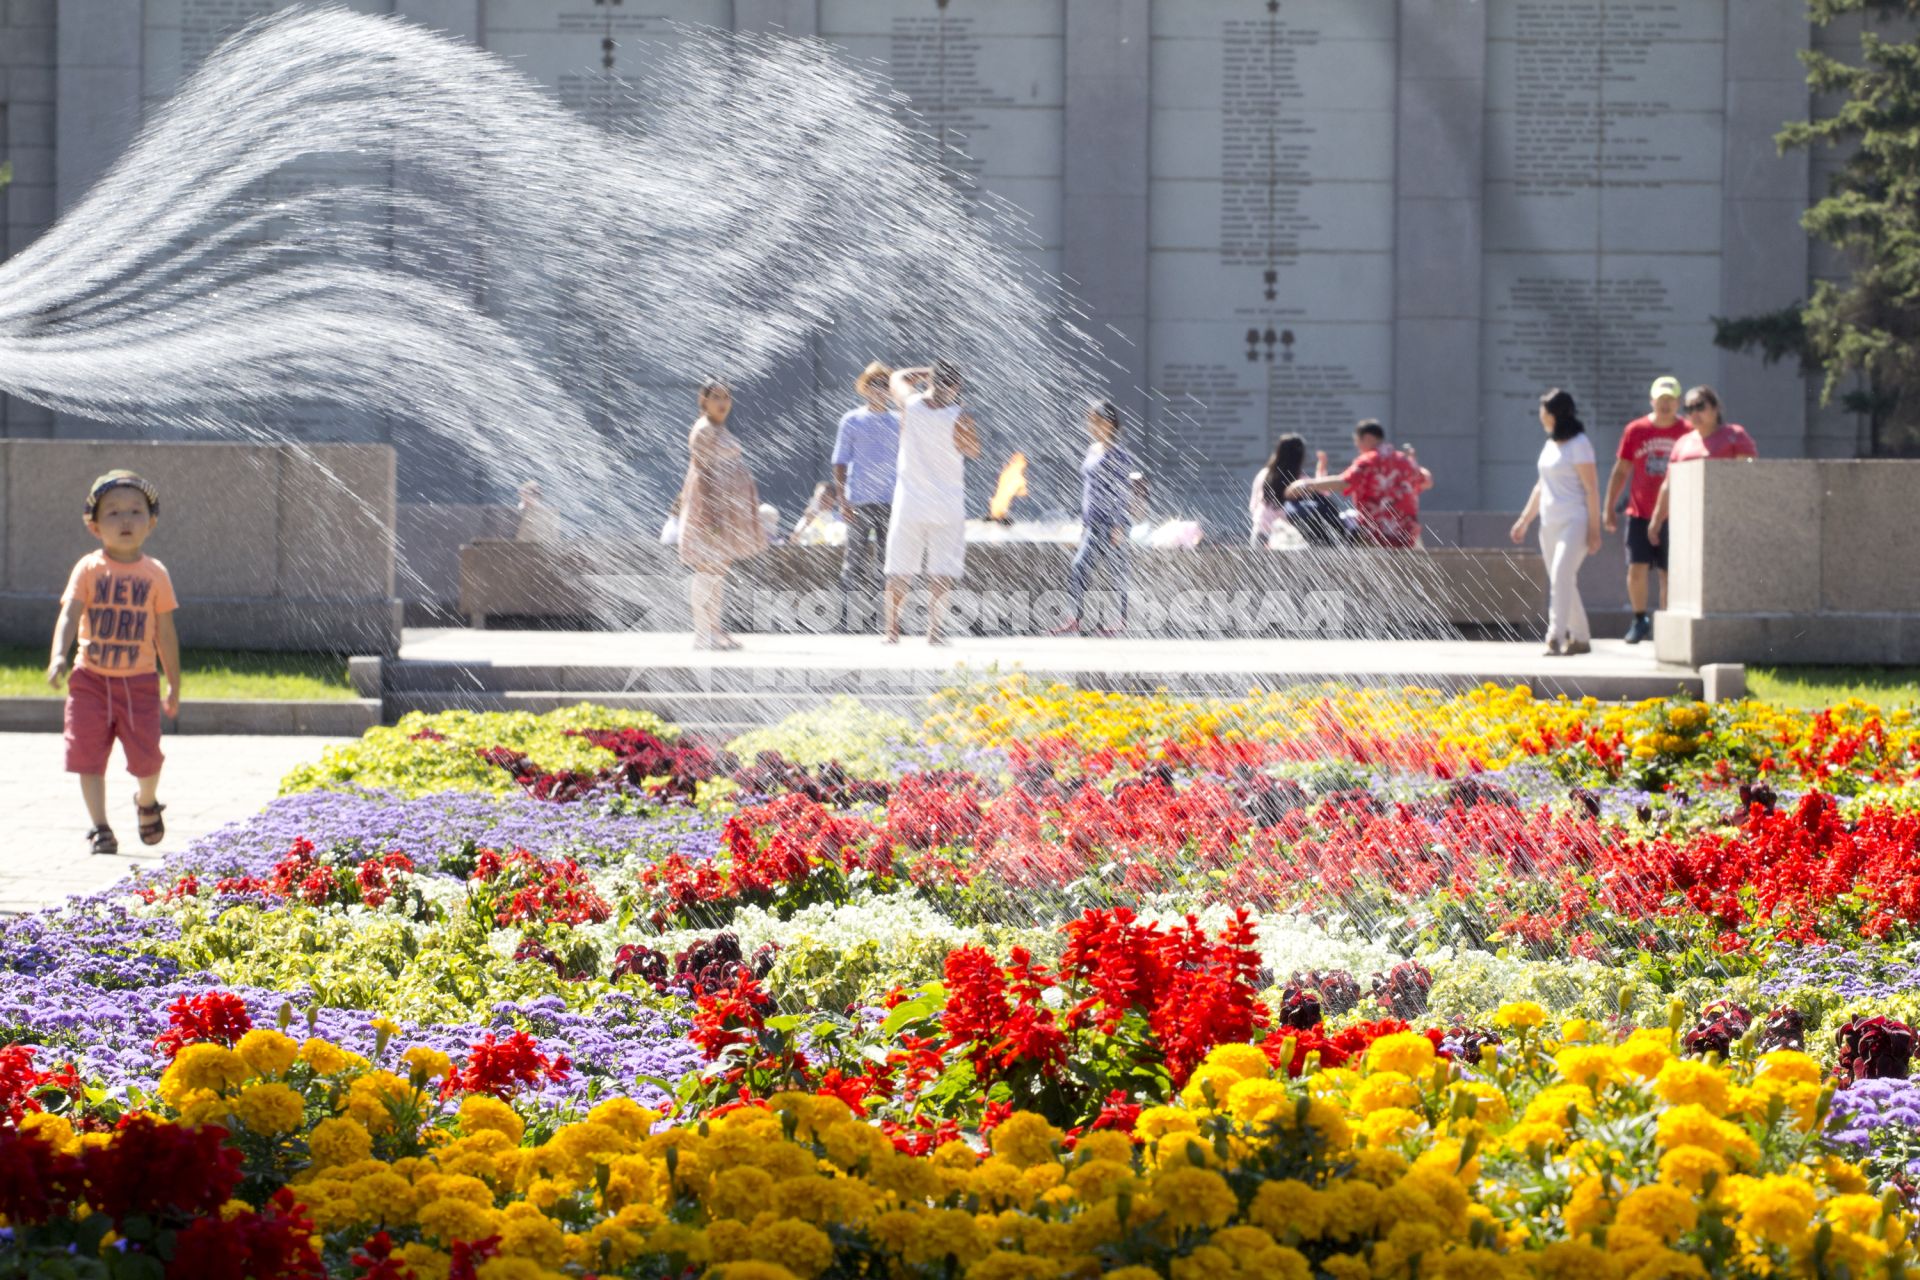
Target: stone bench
[(1018, 588)]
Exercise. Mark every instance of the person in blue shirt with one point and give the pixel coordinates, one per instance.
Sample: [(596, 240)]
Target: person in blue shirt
[(1106, 516), (865, 453)]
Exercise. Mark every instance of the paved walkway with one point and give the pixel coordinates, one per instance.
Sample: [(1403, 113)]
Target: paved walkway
[(209, 782)]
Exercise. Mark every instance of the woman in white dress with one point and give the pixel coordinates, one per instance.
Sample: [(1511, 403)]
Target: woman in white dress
[(1567, 500)]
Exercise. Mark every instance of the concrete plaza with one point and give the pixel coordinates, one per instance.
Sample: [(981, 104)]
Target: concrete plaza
[(208, 782)]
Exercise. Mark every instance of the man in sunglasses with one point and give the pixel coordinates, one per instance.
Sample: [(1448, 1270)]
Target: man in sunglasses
[(1711, 437)]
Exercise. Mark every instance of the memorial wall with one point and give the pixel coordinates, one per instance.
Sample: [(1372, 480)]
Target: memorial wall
[(1298, 213)]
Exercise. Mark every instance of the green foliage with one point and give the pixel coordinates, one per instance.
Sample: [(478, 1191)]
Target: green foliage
[(209, 674), (866, 743), (441, 752), (1866, 326)]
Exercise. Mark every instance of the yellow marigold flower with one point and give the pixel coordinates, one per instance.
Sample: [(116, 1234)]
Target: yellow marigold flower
[(1245, 1060), (1191, 1197), (1531, 1133), (1853, 1212), (1778, 1210), (996, 1180), (1842, 1175), (480, 1112), (446, 1221), (1026, 1139), (625, 1117), (1389, 1124), (1591, 1065), (1787, 1066), (1289, 1209), (1099, 1179), (1134, 1273), (751, 1269), (1579, 1030), (531, 1234), (429, 1063), (1382, 1166), (1689, 1168), (1155, 1123), (1520, 1015), (1206, 1262), (1406, 1052), (51, 1129), (851, 1143), (1662, 1211), (210, 1067), (325, 1058), (1384, 1089), (1575, 1260), (1103, 1144), (740, 1192), (1353, 1209), (1692, 1125), (383, 1198), (267, 1052), (1587, 1207), (1000, 1265), (271, 1109), (1687, 1080), (337, 1141), (1259, 1100), (1346, 1266), (1489, 1104)]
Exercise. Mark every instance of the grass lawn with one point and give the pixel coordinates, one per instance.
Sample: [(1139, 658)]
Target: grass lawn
[(206, 673), (1815, 687)]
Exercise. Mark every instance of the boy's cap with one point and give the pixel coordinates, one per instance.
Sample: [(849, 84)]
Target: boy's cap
[(1667, 386), (121, 480)]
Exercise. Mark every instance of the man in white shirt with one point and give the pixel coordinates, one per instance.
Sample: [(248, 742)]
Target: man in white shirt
[(928, 534)]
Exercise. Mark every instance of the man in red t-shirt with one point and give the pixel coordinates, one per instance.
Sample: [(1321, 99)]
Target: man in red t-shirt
[(1383, 484), (1640, 467)]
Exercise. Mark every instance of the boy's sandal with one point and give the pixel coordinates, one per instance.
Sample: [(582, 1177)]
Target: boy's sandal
[(153, 828), (101, 840)]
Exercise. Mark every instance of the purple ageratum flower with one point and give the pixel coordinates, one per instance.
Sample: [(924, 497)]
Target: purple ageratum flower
[(429, 829)]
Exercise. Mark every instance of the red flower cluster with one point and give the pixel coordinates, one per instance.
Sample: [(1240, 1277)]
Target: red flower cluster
[(771, 851), (998, 1016), (21, 1084), (1335, 1050), (301, 874), (730, 1016), (928, 809), (528, 889), (149, 1168), (502, 1067), (1195, 993), (216, 1016), (273, 1244)]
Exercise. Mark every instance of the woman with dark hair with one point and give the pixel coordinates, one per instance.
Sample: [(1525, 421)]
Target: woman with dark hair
[(1106, 506), (719, 515), (1567, 500), (1316, 517)]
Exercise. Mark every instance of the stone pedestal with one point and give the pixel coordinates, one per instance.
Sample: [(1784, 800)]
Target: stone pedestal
[(1791, 562)]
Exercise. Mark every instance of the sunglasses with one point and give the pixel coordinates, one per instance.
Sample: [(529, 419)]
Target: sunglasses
[(1700, 406)]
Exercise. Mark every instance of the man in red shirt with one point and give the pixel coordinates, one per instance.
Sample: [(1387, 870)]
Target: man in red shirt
[(1640, 467), (1383, 483)]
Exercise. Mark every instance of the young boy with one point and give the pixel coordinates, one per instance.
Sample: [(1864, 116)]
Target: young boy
[(122, 604)]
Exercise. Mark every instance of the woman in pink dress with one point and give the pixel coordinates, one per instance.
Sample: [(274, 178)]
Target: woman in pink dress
[(719, 516)]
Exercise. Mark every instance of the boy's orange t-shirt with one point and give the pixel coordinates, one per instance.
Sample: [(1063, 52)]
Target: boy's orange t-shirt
[(120, 612)]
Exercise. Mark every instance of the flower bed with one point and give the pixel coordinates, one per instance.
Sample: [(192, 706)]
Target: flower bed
[(1318, 983)]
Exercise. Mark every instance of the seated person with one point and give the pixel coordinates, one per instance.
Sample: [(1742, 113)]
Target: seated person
[(1383, 483)]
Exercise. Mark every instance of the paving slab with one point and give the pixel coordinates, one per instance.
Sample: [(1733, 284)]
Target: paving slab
[(584, 662), (209, 781)]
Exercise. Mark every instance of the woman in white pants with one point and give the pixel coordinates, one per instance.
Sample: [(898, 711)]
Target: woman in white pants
[(1567, 500)]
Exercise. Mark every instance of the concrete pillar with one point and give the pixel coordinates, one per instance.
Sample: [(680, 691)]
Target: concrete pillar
[(1764, 251), (1104, 249), (26, 142), (97, 76), (459, 18), (1438, 171), (785, 17)]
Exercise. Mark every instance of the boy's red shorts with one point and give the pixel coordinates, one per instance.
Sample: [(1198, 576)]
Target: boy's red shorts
[(102, 708)]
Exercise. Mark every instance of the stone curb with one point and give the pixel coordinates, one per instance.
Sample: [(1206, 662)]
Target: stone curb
[(343, 718)]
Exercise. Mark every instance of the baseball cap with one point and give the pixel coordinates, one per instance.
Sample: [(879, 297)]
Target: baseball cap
[(120, 479), (1667, 386)]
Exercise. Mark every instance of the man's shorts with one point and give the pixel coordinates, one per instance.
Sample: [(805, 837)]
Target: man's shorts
[(1641, 550), (937, 550), (103, 708)]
